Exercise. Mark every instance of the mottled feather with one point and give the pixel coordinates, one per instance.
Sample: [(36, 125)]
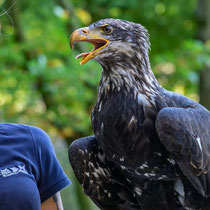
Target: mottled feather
[(151, 147)]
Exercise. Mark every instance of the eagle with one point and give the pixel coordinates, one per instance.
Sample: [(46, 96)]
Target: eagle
[(151, 147)]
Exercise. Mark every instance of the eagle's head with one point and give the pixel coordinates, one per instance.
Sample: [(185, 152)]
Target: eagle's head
[(121, 47), (114, 41)]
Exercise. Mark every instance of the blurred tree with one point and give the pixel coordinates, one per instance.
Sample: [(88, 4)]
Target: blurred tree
[(15, 17), (203, 12), (34, 63)]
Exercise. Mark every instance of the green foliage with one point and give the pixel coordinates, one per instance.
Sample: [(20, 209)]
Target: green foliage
[(42, 84)]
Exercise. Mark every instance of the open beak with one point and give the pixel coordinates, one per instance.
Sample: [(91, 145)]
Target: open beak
[(84, 35)]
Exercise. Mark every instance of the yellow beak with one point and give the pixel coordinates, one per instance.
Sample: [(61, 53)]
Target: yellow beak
[(84, 35)]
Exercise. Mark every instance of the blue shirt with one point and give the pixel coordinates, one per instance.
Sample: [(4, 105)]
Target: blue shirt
[(29, 170)]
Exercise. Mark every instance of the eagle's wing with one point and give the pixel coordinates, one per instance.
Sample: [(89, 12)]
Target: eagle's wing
[(185, 133), (96, 176)]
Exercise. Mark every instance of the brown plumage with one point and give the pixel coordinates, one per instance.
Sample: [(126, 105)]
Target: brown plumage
[(151, 147)]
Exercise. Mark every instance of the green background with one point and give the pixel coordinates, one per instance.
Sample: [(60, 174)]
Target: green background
[(42, 84)]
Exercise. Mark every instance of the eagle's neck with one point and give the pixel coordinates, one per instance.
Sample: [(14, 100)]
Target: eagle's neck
[(132, 76)]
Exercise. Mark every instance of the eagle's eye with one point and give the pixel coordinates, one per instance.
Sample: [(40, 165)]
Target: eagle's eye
[(106, 29)]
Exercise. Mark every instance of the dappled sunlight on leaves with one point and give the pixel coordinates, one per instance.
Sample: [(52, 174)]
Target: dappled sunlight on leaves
[(114, 12), (166, 68), (160, 8), (179, 88), (61, 12), (194, 96), (84, 16)]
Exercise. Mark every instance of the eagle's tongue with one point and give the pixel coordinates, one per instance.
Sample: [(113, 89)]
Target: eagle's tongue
[(82, 55)]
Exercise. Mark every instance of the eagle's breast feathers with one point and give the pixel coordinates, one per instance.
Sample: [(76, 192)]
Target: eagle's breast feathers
[(149, 144)]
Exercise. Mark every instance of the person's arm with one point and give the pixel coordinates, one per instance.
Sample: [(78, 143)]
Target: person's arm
[(53, 203)]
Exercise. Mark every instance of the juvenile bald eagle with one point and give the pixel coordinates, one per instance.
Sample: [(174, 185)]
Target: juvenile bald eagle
[(151, 147)]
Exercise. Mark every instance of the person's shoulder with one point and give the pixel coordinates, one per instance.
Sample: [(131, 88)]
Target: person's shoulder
[(40, 138), (25, 133), (38, 132), (15, 128), (12, 127), (14, 131)]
